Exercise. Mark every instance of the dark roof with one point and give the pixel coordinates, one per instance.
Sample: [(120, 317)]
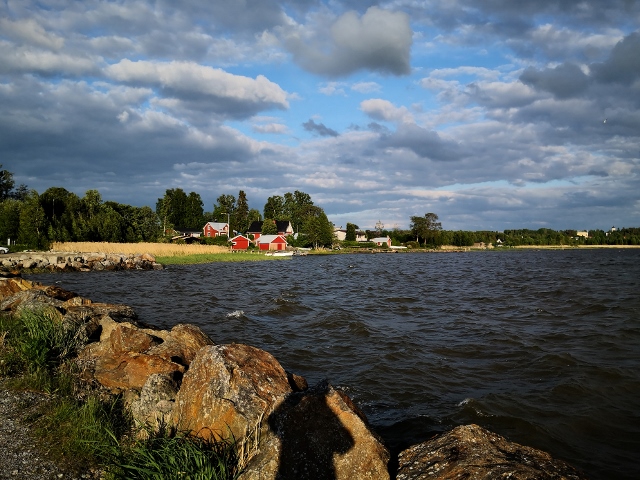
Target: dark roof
[(256, 227)]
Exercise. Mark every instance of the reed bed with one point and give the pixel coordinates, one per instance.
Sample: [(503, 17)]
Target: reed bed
[(155, 249)]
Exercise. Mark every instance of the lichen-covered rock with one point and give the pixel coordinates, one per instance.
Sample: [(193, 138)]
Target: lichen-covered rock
[(182, 344), (228, 391), (470, 451), (131, 370), (151, 410)]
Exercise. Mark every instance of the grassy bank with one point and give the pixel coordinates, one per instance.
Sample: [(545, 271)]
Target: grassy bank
[(85, 429)]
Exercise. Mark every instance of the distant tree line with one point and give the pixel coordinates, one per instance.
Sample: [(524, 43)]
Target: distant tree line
[(36, 220), (426, 231)]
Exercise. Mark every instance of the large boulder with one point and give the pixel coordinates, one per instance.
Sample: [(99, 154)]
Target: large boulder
[(182, 344), (228, 391), (120, 360), (318, 434), (470, 451)]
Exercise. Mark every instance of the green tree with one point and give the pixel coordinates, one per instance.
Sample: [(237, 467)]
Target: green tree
[(274, 208), (61, 208), (427, 228), (351, 232), (317, 229), (6, 183), (225, 205), (194, 212), (269, 227), (174, 210), (241, 214), (9, 219), (33, 222)]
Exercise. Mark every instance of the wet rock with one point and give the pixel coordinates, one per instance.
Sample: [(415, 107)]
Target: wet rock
[(317, 434), (228, 391), (470, 451)]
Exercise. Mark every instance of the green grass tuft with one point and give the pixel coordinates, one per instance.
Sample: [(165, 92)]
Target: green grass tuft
[(176, 457)]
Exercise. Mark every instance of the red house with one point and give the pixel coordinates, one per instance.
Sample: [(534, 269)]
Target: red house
[(216, 229), (272, 242), (240, 242), (284, 228)]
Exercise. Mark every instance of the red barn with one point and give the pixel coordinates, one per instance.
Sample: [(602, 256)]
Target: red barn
[(240, 242), (272, 242)]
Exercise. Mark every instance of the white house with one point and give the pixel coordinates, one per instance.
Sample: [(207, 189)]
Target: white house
[(379, 241)]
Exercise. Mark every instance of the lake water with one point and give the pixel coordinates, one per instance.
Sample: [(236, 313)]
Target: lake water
[(542, 347)]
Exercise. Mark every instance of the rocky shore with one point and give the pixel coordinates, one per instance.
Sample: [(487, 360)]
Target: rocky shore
[(284, 428), (79, 262)]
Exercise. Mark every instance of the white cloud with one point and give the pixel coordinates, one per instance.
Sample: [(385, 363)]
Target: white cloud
[(31, 33), (366, 87), (189, 77), (379, 109), (379, 40)]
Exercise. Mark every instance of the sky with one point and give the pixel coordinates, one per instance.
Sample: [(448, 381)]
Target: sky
[(493, 114)]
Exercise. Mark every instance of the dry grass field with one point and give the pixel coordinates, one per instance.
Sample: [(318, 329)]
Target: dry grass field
[(155, 249)]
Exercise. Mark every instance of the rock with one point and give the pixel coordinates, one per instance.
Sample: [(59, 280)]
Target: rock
[(120, 360), (470, 451), (127, 338), (182, 344), (29, 300), (317, 434), (12, 285), (131, 370), (228, 391), (151, 411)]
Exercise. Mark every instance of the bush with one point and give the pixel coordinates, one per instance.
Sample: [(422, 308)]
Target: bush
[(221, 241)]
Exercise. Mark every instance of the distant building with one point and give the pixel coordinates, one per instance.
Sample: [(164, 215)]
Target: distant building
[(284, 228), (240, 242), (379, 241), (584, 234), (271, 242), (216, 229)]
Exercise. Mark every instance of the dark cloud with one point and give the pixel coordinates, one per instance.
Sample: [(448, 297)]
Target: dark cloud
[(319, 129), (623, 65), (425, 143), (564, 81)]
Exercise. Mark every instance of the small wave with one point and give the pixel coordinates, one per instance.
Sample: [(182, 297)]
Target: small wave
[(236, 314)]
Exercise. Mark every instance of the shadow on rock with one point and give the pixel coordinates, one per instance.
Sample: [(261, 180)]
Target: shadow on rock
[(310, 435)]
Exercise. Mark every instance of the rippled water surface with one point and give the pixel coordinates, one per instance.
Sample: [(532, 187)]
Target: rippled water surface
[(540, 346)]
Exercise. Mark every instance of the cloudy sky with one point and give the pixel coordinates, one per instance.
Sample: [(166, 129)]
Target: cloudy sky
[(494, 114)]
